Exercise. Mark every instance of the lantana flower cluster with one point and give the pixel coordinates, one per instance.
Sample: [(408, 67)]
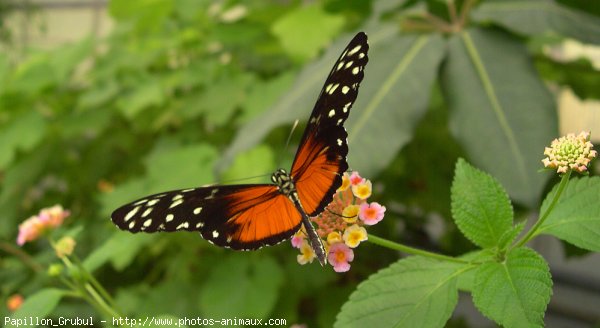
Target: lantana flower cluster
[(342, 224), (570, 152), (47, 219)]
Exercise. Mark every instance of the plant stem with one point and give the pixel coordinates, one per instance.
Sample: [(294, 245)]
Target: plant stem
[(26, 258), (415, 251), (532, 232)]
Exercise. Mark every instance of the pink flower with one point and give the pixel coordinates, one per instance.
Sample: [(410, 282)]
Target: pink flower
[(298, 239), (30, 230), (48, 218), (355, 178), (372, 213), (14, 302), (53, 216), (339, 255)]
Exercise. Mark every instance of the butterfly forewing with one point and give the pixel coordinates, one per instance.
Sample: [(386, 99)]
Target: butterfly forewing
[(236, 216), (321, 157)]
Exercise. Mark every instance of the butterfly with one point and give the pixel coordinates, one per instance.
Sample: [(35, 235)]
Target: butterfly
[(249, 216)]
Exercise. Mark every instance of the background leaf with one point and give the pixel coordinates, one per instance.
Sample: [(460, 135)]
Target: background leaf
[(306, 30), (38, 305), (539, 17), (576, 216), (516, 291), (257, 282), (503, 125), (480, 207), (413, 290)]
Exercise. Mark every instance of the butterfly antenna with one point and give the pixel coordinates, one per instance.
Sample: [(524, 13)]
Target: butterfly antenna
[(287, 142)]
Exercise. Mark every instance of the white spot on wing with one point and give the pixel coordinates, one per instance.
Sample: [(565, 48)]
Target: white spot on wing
[(147, 211), (131, 213), (197, 210), (348, 64), (141, 201), (153, 202), (183, 225), (361, 55), (215, 234), (177, 197), (340, 121), (199, 224), (147, 223), (340, 65), (332, 90), (331, 113), (355, 70), (131, 224), (345, 89), (187, 190), (175, 203), (346, 106), (354, 50), (339, 142), (169, 217)]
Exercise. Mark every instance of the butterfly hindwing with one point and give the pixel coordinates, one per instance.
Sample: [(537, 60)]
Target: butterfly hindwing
[(321, 157), (235, 216)]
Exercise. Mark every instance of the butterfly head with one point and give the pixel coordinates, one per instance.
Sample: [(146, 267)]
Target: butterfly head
[(283, 181)]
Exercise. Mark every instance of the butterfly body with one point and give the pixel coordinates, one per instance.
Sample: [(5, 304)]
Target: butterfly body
[(247, 217)]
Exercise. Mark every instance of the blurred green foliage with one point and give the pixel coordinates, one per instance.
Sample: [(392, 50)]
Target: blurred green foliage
[(184, 93)]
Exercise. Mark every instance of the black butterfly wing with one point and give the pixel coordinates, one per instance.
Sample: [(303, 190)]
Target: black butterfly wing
[(236, 216), (321, 156)]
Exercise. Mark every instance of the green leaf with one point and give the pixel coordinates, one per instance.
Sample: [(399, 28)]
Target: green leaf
[(501, 112), (263, 95), (38, 305), (412, 290), (392, 98), (538, 17), (515, 292), (33, 74), (480, 207), (306, 30), (253, 163), (22, 133), (113, 250), (576, 216), (147, 93), (510, 235), (257, 282)]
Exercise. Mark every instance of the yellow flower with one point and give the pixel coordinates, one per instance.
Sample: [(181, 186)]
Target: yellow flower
[(362, 190), (334, 237), (354, 234), (307, 255), (350, 213), (345, 182)]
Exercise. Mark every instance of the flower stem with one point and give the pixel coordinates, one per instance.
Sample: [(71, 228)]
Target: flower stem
[(415, 251), (532, 232)]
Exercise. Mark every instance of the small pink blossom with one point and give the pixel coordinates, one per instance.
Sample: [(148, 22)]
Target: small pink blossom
[(14, 302), (48, 218), (30, 230), (355, 178), (339, 255), (298, 239), (372, 213)]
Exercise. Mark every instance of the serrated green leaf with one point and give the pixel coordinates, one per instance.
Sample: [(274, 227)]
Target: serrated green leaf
[(22, 133), (415, 291), (257, 281), (500, 111), (306, 30), (576, 216), (509, 236), (38, 305), (539, 17), (113, 250), (514, 293), (480, 207)]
